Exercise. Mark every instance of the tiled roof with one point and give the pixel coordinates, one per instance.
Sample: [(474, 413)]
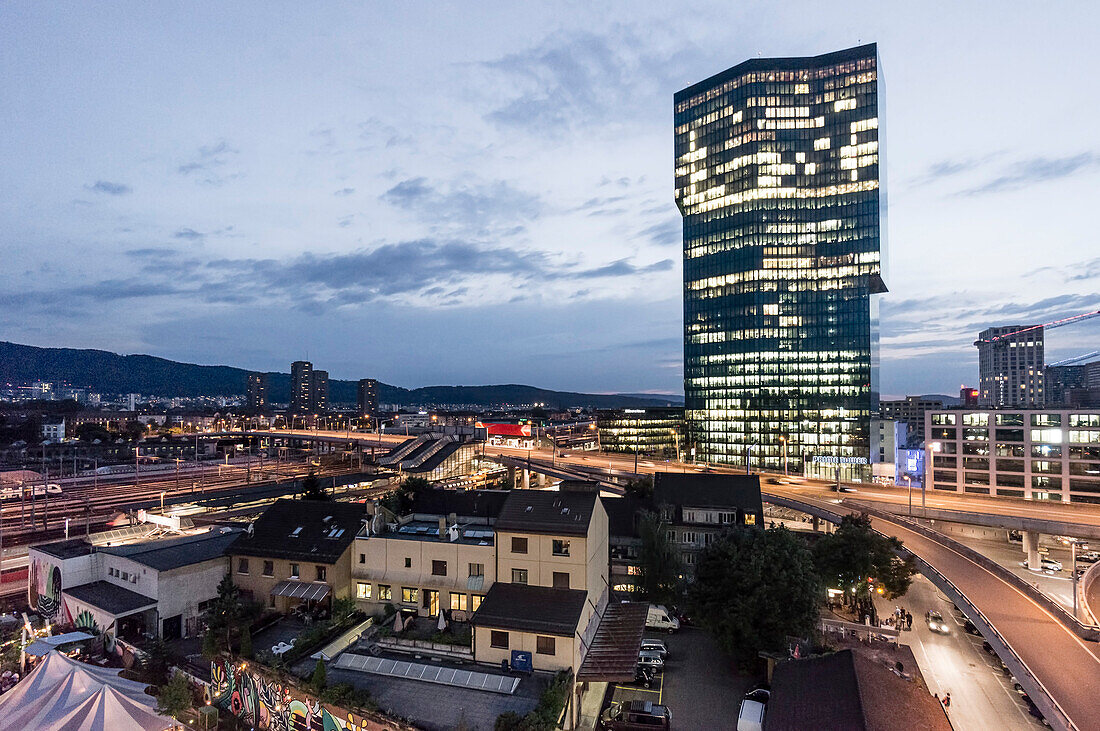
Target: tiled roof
[(531, 609), (682, 489), (309, 530), (547, 511)]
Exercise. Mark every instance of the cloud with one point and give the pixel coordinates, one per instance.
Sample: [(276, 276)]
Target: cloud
[(481, 208), (208, 165), (188, 234), (1036, 170), (109, 188), (344, 192)]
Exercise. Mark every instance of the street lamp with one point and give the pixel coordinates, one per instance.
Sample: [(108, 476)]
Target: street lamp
[(909, 481), (1073, 552), (783, 439)]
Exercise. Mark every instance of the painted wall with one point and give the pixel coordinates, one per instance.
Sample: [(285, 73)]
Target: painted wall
[(265, 703), (566, 652)]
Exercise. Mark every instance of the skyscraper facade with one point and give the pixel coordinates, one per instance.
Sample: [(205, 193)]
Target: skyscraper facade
[(301, 387), (1010, 366), (319, 392), (778, 182)]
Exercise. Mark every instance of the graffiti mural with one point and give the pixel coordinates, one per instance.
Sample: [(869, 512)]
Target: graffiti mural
[(268, 704), (44, 595)]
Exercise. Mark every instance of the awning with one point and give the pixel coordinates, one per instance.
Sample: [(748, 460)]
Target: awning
[(309, 591), (42, 646), (613, 654)]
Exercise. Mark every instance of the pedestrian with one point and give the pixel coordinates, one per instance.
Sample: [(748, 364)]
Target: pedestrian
[(909, 622), (946, 700)]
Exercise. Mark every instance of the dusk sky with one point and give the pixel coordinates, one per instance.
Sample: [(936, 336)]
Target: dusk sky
[(471, 193)]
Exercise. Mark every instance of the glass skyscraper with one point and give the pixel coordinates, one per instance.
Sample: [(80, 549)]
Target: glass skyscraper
[(778, 180)]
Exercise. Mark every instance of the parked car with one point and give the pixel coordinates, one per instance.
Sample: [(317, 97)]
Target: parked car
[(751, 715), (643, 676), (989, 649), (1088, 557), (635, 715), (970, 629), (660, 618), (651, 660), (1034, 711), (936, 622), (650, 645), (1046, 564), (760, 694)]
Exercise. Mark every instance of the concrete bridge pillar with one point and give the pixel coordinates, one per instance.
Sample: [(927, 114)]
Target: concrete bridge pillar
[(542, 480), (1031, 548), (817, 523), (526, 479)]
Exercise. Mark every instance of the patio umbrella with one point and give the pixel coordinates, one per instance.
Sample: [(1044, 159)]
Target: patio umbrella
[(442, 623), (397, 625)]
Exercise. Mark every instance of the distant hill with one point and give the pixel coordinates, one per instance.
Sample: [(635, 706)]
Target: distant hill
[(108, 372)]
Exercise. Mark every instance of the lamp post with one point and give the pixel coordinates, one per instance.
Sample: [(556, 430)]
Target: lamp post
[(783, 439), (1073, 552), (909, 481)]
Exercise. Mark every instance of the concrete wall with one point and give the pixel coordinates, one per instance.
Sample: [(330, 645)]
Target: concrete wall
[(566, 650), (540, 561), (338, 576), (181, 590)]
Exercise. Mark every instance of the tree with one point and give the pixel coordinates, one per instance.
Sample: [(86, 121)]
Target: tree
[(90, 432), (754, 588), (246, 642), (855, 557), (174, 697), (342, 608), (659, 561), (311, 488), (209, 644), (318, 680), (133, 430), (225, 611), (401, 500), (640, 488), (158, 660)]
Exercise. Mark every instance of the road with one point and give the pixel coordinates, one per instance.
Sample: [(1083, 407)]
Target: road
[(982, 696)]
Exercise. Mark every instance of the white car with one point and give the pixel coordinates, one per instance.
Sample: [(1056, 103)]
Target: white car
[(1046, 564), (936, 623)]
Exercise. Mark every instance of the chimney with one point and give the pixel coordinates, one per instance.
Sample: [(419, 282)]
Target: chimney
[(452, 518), (442, 527)]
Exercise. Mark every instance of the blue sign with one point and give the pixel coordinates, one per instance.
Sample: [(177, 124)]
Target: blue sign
[(521, 661)]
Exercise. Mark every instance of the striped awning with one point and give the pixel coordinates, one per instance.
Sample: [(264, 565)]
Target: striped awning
[(309, 591)]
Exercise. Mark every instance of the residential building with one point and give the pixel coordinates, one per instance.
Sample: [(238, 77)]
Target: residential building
[(1010, 367), (777, 179), (297, 552), (368, 397), (53, 431), (301, 387), (697, 508), (657, 432), (1039, 454), (319, 392), (967, 397), (158, 587), (910, 410), (257, 391), (442, 556)]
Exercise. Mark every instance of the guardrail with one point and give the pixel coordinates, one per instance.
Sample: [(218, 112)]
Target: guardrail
[(1087, 580), (1084, 631)]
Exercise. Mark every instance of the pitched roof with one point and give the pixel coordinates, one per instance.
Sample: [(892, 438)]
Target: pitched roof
[(847, 690), (684, 489), (622, 515), (110, 598), (463, 503), (175, 553), (547, 511), (531, 609), (309, 530)]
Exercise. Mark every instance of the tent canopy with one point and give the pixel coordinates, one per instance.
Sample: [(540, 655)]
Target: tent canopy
[(62, 694)]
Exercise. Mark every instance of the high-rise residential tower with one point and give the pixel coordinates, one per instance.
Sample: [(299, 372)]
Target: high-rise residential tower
[(1010, 366), (301, 387), (257, 391), (368, 397), (778, 181), (319, 392)]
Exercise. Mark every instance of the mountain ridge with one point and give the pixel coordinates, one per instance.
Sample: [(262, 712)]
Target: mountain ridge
[(108, 372)]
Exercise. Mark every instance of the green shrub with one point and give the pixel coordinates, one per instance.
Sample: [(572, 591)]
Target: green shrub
[(246, 643), (317, 682)]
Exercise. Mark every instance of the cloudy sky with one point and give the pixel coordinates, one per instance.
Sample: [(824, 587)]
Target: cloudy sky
[(438, 193)]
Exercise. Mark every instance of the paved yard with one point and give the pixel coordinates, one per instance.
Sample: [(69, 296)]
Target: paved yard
[(440, 707), (698, 685)]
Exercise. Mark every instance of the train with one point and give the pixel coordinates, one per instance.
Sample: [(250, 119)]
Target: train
[(12, 492)]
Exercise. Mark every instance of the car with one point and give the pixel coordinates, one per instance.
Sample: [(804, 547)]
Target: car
[(760, 694), (651, 660), (643, 676), (636, 714), (988, 648), (1046, 564), (750, 717), (936, 622), (1088, 557), (657, 646), (847, 489), (1033, 710), (970, 629)]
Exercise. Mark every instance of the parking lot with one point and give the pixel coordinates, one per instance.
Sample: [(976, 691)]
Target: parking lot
[(698, 684)]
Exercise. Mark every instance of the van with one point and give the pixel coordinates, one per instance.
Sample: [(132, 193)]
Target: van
[(751, 716), (660, 618), (635, 715)]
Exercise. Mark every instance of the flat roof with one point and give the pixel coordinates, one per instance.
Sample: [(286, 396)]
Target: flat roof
[(65, 549), (531, 609), (110, 598), (174, 553), (422, 530)]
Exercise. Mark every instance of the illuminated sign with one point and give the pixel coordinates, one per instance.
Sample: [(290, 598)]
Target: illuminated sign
[(819, 459), (633, 411)]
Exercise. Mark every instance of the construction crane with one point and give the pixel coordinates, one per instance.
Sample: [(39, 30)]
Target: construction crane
[(1045, 326), (1076, 359)]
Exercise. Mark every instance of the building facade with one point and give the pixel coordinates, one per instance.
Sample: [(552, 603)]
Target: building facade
[(319, 392), (301, 387), (888, 436), (910, 410), (257, 391), (657, 432), (778, 181), (368, 397), (1010, 367), (1038, 454)]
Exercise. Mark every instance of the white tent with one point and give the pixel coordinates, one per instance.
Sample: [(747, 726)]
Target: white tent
[(62, 694)]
